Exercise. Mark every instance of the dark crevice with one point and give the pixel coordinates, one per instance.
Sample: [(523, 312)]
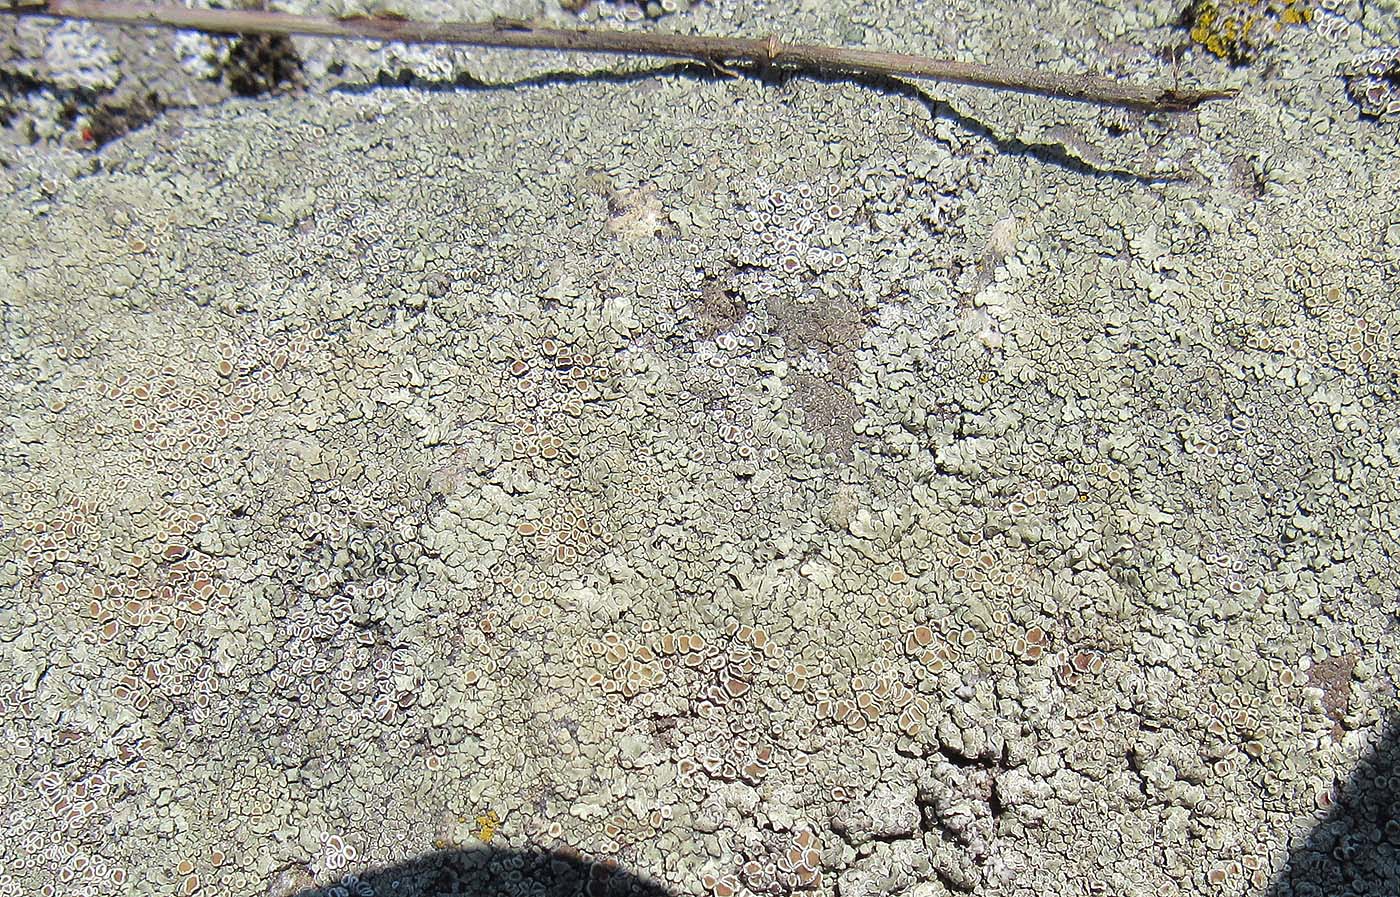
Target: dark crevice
[(957, 758), (844, 834), (1136, 767), (994, 804), (926, 820), (882, 838), (961, 760)]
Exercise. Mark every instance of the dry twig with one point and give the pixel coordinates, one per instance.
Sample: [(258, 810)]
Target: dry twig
[(721, 52)]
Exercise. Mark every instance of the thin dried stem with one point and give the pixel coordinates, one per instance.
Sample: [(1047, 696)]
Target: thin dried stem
[(764, 53)]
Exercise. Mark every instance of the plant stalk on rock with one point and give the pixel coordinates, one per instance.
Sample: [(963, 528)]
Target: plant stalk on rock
[(762, 53)]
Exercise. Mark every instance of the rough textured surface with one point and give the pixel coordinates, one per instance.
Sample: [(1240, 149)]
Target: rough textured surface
[(763, 487), (1238, 30), (1373, 81)]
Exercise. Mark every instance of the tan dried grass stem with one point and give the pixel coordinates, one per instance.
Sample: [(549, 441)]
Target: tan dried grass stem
[(769, 52)]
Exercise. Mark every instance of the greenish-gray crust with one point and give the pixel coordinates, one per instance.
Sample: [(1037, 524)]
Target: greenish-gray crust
[(696, 471)]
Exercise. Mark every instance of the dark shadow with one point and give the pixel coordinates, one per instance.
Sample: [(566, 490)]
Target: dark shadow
[(493, 872), (1049, 153), (1355, 851), (465, 81)]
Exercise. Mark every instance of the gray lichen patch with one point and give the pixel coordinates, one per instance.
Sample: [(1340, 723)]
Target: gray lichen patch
[(406, 470)]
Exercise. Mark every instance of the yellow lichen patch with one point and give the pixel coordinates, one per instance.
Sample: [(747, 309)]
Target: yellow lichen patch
[(486, 826), (1237, 29)]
